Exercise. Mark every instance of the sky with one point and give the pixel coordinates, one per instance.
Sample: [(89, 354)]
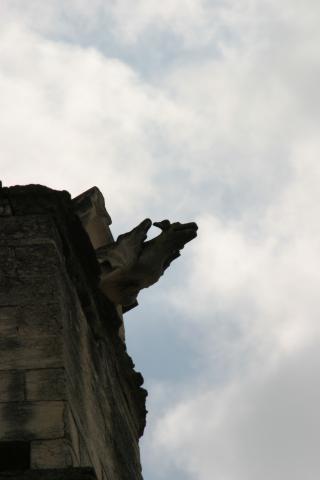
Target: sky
[(192, 110)]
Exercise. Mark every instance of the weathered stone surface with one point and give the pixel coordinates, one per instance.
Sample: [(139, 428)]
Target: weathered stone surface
[(12, 384), (5, 207), (85, 460), (45, 384), (28, 261), (32, 290), (36, 260), (72, 434), (24, 352), (31, 420), (101, 401), (27, 230), (7, 260), (50, 454), (51, 474), (91, 210), (30, 320)]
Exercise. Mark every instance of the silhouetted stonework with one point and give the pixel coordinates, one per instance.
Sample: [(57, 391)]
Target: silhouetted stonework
[(68, 388)]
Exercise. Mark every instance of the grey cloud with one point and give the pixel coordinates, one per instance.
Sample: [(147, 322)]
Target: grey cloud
[(258, 427)]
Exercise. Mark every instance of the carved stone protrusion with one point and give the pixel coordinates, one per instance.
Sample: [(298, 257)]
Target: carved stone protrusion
[(91, 210), (131, 263)]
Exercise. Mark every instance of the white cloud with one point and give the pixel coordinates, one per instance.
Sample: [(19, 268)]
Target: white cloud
[(185, 19), (54, 17), (229, 125), (127, 22), (251, 294), (72, 118), (259, 427)]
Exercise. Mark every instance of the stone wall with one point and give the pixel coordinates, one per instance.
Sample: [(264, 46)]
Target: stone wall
[(68, 390)]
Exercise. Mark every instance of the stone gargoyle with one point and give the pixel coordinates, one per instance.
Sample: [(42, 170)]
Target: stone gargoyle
[(132, 263)]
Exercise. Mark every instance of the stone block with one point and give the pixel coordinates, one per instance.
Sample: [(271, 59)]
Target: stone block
[(11, 386), (38, 289), (7, 261), (24, 352), (30, 320), (33, 260), (51, 454), (45, 384), (27, 230), (31, 420)]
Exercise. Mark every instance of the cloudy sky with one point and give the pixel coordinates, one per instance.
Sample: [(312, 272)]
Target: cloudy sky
[(203, 110)]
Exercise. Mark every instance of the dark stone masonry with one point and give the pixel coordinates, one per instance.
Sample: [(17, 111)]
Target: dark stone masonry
[(71, 403)]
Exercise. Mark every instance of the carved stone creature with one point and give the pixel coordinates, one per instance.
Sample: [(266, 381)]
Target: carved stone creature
[(131, 263)]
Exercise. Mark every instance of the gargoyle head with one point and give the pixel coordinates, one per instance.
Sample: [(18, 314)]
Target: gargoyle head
[(132, 263)]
